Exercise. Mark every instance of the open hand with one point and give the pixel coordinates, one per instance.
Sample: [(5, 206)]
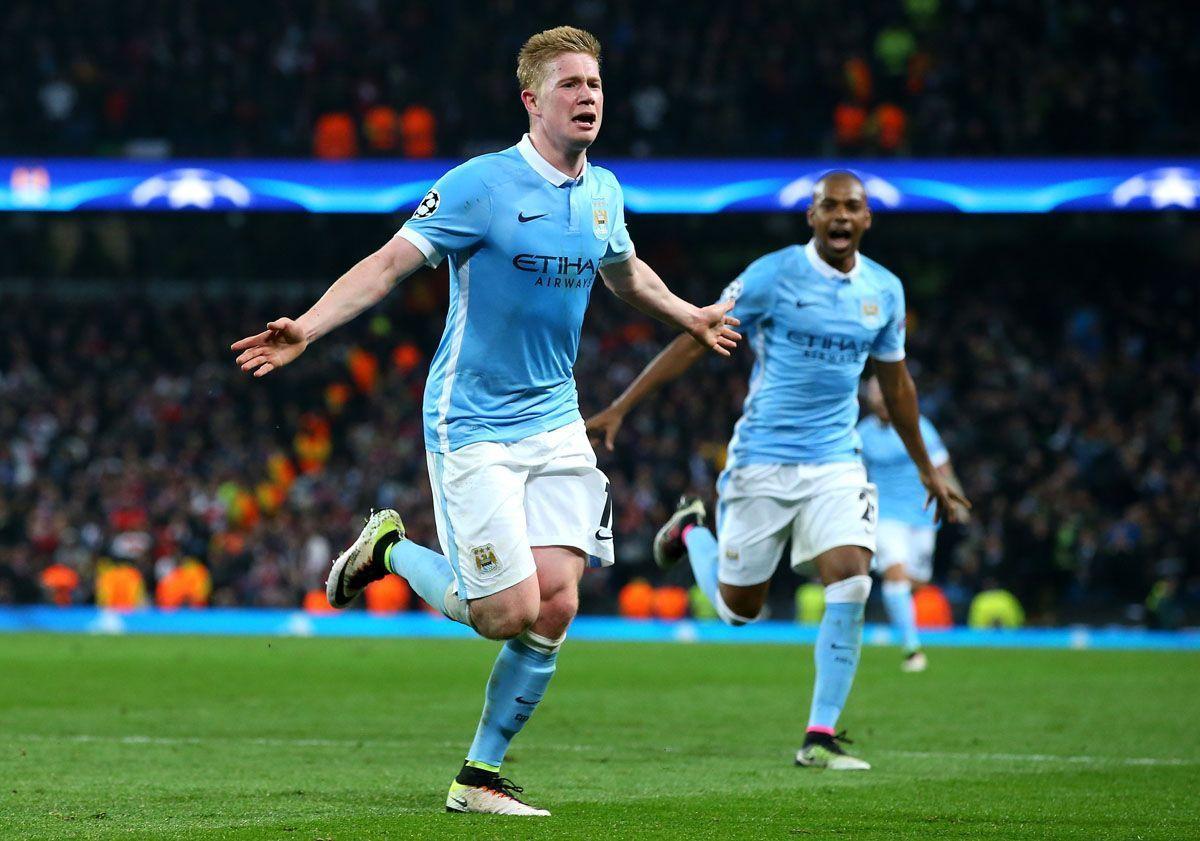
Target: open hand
[(604, 426), (713, 328), (279, 344), (952, 507)]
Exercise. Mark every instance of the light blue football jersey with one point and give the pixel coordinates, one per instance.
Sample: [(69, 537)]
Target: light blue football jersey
[(901, 494), (525, 244), (811, 328)]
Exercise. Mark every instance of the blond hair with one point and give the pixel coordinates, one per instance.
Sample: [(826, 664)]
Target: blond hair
[(533, 62)]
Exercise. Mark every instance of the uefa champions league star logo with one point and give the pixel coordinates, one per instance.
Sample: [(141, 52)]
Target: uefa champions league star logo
[(428, 205), (30, 186), (199, 188), (801, 189), (1170, 186)]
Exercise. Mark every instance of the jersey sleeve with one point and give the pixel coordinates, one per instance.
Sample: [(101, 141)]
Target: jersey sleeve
[(933, 443), (889, 343), (453, 216), (752, 290), (620, 246)]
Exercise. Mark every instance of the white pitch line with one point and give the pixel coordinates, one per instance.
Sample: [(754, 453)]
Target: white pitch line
[(174, 741), (1046, 757)]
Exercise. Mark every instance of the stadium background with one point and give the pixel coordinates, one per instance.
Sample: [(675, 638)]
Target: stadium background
[(1060, 370), (1057, 352)]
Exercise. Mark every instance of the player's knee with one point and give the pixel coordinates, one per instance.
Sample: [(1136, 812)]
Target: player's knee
[(505, 626), (505, 621), (739, 607), (558, 610), (844, 562)]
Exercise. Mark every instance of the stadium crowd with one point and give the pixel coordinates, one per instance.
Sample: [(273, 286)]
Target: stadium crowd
[(762, 77), (1066, 397)]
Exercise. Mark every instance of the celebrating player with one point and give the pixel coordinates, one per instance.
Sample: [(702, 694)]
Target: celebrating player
[(520, 506), (906, 533), (813, 314)]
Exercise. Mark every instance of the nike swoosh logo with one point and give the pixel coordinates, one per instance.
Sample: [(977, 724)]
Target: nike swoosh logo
[(340, 590), (527, 702), (802, 304), (521, 217), (460, 801), (600, 536), (837, 647)]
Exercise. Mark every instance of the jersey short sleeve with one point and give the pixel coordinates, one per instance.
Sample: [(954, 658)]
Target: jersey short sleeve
[(889, 343), (752, 290), (933, 443), (620, 246), (454, 215)]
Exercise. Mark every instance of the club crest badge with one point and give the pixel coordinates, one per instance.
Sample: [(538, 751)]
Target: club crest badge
[(600, 218), (485, 558), (870, 313)]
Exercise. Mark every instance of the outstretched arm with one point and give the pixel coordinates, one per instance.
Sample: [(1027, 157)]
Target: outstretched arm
[(365, 285), (638, 285), (900, 396), (674, 359)]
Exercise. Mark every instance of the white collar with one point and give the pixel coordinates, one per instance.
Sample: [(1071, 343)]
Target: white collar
[(543, 167), (827, 270)]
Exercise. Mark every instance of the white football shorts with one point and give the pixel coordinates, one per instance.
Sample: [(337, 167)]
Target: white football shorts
[(901, 543), (493, 501), (817, 506)]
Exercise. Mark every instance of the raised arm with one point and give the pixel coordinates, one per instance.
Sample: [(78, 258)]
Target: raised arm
[(638, 285), (674, 359), (900, 396), (365, 285)]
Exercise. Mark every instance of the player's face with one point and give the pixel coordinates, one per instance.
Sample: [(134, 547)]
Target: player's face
[(571, 101), (839, 215)]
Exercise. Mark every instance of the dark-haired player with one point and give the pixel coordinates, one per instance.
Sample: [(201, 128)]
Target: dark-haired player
[(813, 314)]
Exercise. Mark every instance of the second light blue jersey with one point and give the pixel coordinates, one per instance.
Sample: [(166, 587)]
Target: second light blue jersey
[(901, 494), (811, 328), (525, 244)]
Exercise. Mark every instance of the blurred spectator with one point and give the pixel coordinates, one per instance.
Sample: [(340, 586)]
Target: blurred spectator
[(387, 595), (858, 79), (119, 586), (60, 583), (890, 124), (381, 127), (932, 607), (850, 127), (810, 603), (335, 136), (1066, 394), (418, 128), (974, 76), (187, 584), (1162, 606), (995, 609)]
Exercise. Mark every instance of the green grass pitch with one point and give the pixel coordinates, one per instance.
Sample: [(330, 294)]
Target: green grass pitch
[(247, 738)]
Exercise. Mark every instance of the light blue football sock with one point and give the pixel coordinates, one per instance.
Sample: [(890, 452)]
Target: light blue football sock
[(519, 680), (702, 552), (428, 573), (839, 641), (897, 599)]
